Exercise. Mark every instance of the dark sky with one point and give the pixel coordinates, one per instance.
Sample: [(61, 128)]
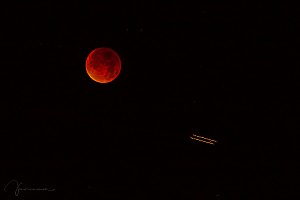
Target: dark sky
[(229, 72)]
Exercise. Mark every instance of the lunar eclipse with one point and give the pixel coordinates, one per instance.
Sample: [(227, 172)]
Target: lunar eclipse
[(103, 65)]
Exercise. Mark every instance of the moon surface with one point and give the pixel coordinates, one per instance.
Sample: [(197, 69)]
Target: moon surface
[(103, 65)]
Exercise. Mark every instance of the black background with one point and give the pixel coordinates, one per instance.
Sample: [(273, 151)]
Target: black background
[(224, 71)]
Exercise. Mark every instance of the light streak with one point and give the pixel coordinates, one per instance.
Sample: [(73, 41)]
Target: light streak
[(203, 139)]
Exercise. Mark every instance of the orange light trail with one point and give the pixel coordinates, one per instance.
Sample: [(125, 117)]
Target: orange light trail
[(203, 139)]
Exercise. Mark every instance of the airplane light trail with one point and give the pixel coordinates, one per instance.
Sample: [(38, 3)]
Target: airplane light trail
[(203, 139)]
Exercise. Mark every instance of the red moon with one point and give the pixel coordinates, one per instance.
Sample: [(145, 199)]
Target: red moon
[(103, 65)]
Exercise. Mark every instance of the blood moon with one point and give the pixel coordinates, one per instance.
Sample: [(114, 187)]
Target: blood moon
[(103, 65)]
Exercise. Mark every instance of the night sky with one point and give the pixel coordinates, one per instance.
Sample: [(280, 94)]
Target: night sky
[(229, 72)]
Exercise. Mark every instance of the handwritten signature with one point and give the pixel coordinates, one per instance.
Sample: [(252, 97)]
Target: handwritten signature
[(18, 188)]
